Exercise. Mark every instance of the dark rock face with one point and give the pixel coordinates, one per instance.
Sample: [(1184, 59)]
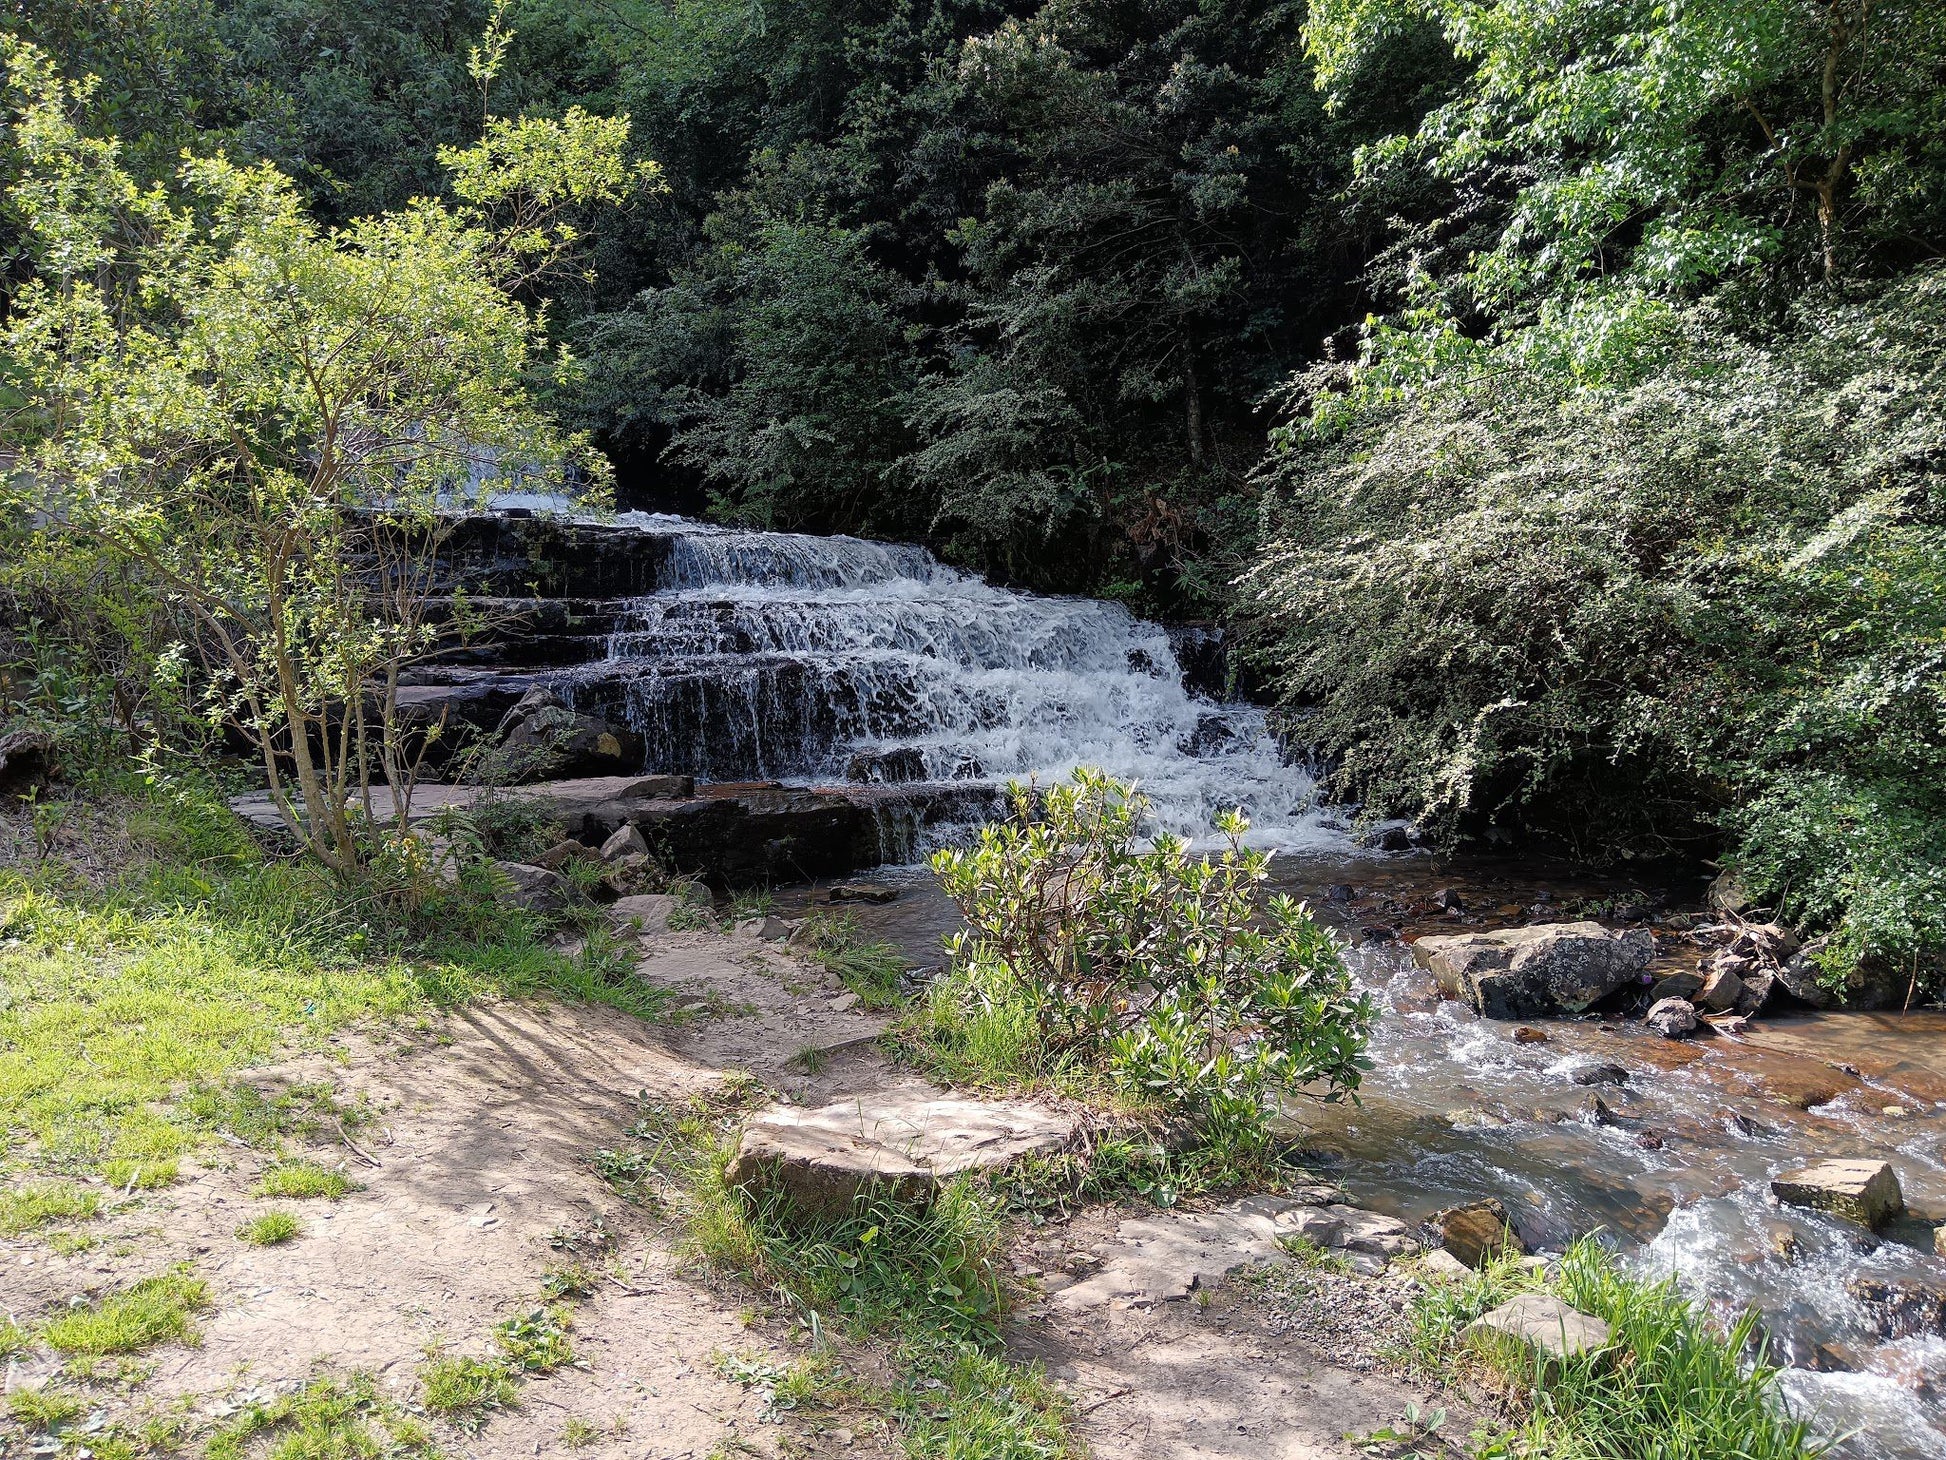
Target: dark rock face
[(1203, 651), (541, 736), (26, 758), (1901, 1307)]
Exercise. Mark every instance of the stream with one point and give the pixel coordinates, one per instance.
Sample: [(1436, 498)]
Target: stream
[(826, 659)]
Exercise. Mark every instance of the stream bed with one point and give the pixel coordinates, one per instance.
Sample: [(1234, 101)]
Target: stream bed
[(1675, 1169)]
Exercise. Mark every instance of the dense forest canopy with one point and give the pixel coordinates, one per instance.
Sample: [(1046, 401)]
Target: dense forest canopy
[(1550, 391)]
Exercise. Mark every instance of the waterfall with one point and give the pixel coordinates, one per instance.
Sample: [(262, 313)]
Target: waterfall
[(782, 656)]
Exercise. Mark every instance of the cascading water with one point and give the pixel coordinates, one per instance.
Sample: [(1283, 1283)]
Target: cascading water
[(774, 655)]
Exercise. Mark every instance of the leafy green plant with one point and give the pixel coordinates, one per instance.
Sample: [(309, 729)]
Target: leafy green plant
[(270, 1229), (536, 1342), (1159, 968), (155, 1310), (329, 1417)]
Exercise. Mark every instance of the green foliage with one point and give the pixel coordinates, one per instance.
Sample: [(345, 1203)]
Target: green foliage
[(271, 1229), (536, 1342), (155, 1310), (44, 1410), (1158, 967), (327, 1419), (1706, 594), (300, 1178), (1672, 1385)]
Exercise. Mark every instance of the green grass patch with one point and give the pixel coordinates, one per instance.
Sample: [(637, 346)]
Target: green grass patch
[(299, 1180), (1672, 1385), (202, 957), (132, 1175), (329, 1419), (537, 1342), (44, 1410), (32, 1207), (870, 967), (467, 1391), (155, 1310), (270, 1229)]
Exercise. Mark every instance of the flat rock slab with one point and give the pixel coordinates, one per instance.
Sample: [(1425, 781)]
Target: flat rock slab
[(1165, 1258), (1866, 1192), (900, 1144), (1539, 1321), (1551, 968)]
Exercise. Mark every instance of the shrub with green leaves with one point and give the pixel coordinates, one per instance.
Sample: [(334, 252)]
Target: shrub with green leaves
[(1163, 969)]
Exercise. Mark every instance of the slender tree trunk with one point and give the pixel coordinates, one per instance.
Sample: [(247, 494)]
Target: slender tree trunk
[(1192, 407)]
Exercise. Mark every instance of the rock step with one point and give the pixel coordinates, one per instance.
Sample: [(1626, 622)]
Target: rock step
[(1550, 968), (893, 1144)]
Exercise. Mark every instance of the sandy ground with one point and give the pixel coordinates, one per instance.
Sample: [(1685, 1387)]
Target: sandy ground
[(475, 1176)]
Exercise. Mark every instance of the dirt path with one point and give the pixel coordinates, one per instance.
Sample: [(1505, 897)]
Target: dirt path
[(476, 1177)]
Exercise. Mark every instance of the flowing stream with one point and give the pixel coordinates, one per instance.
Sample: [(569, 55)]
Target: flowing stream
[(819, 659)]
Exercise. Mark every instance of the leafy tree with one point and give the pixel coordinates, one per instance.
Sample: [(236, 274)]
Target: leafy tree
[(273, 418)]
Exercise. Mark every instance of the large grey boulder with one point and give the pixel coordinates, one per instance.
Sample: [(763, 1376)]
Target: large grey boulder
[(1552, 968), (896, 1144), (1672, 1018), (536, 889)]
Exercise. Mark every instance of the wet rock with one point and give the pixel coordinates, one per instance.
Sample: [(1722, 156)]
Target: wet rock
[(1683, 986), (901, 1144), (1800, 973), (626, 840), (1447, 900), (1527, 1034), (862, 892), (1342, 892), (886, 767), (1901, 1307), (1783, 1242), (1835, 1356), (1551, 968), (541, 736), (1866, 1192), (1478, 1232), (537, 889), (1648, 1140), (1392, 838), (1595, 1110), (1539, 1322), (1743, 1125), (658, 788), (1721, 990), (1603, 1074), (1672, 1018)]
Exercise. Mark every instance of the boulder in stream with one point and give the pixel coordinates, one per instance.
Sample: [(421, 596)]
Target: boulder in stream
[(1551, 968), (1478, 1232), (1901, 1306), (1866, 1192), (1672, 1018)]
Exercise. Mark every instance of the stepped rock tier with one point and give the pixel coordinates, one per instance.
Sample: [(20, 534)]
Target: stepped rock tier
[(738, 656)]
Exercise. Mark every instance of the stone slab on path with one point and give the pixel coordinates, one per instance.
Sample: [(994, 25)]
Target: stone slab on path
[(897, 1143), (1166, 1258)]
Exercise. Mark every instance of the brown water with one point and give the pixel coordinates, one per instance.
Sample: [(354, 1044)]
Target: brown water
[(1676, 1173)]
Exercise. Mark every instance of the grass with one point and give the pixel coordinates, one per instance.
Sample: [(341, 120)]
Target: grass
[(536, 1342), (329, 1419), (578, 1433), (299, 1180), (199, 957), (33, 1207), (154, 1311), (923, 1284), (467, 1391), (1671, 1386), (271, 1229), (36, 1410), (872, 968)]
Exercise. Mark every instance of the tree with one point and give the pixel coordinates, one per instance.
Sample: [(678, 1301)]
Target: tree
[(277, 420)]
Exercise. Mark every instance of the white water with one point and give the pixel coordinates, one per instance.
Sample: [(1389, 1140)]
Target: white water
[(789, 656)]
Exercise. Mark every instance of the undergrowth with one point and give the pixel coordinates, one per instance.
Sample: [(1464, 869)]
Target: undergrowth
[(870, 967), (1671, 1385)]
